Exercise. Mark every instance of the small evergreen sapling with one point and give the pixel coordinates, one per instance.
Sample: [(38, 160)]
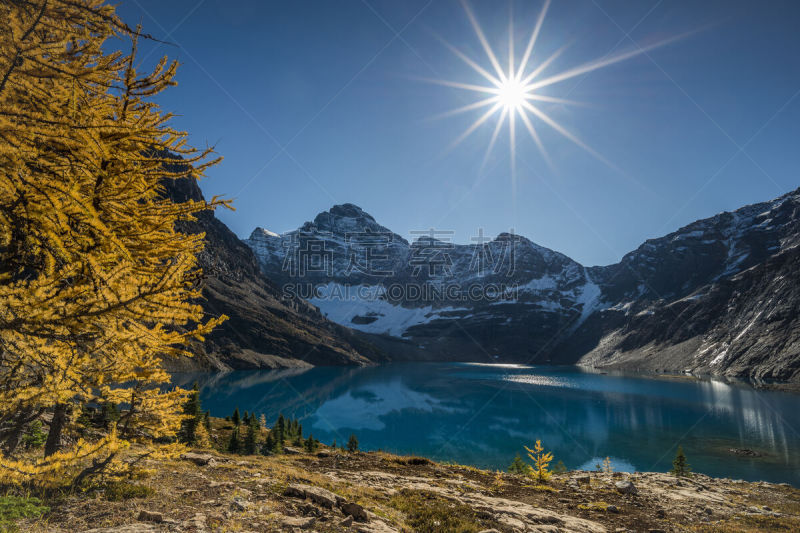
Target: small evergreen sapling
[(518, 466), (311, 444), (680, 467), (352, 443), (34, 437)]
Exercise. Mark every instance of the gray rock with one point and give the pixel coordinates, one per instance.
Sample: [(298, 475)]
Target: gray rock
[(347, 522), (584, 479), (612, 509), (318, 495), (625, 487), (289, 450), (239, 505), (298, 521), (200, 459), (197, 522)]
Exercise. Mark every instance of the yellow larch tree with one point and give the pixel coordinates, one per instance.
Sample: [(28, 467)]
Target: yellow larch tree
[(541, 461), (97, 286)]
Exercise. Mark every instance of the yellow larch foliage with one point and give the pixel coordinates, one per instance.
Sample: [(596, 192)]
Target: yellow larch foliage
[(97, 286), (541, 462)]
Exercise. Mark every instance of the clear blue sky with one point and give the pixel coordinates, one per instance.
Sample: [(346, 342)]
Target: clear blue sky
[(320, 102)]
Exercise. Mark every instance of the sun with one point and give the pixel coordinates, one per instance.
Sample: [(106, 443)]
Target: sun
[(512, 94)]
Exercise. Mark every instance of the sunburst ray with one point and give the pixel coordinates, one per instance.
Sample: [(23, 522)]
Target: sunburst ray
[(511, 92), (485, 43), (532, 41)]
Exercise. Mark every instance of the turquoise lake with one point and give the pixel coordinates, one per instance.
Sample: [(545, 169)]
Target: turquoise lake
[(483, 414)]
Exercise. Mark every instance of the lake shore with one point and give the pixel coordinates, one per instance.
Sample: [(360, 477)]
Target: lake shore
[(375, 492)]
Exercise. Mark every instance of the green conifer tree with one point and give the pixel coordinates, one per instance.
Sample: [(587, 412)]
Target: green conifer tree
[(234, 446), (519, 466), (268, 447), (194, 414), (352, 443), (680, 466), (280, 430), (251, 439), (110, 414), (235, 418)]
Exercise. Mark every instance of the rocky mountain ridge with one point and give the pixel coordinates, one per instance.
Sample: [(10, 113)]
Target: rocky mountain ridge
[(264, 329), (718, 296)]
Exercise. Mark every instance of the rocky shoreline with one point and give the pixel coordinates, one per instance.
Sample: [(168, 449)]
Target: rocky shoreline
[(375, 492)]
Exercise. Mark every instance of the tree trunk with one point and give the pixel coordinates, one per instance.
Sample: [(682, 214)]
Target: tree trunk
[(12, 435), (56, 426)]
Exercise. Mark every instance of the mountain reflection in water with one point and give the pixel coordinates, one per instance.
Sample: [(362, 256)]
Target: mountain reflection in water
[(482, 414)]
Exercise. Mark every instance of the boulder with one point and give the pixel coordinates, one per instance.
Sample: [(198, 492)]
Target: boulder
[(354, 510), (318, 495), (625, 487), (148, 516), (200, 459)]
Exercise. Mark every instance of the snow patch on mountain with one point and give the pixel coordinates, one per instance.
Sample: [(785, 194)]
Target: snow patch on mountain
[(364, 308)]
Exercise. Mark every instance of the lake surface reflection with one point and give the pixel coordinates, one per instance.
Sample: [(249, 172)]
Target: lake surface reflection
[(483, 414)]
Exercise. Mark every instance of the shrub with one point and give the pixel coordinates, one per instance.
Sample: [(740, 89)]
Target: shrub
[(13, 508), (34, 437), (518, 466), (117, 491), (427, 512)]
